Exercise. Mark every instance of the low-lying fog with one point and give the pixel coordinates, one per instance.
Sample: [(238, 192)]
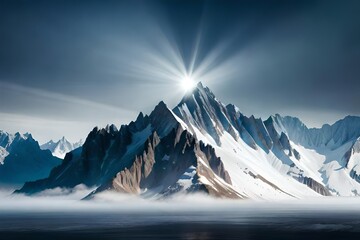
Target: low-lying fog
[(65, 200), (61, 214)]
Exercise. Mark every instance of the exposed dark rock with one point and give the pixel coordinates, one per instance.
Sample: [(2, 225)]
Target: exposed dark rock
[(163, 162), (314, 185)]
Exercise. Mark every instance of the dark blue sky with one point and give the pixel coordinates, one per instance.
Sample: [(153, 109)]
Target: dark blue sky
[(66, 66)]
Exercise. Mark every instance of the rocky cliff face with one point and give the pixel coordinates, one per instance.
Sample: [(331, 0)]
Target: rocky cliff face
[(158, 170)]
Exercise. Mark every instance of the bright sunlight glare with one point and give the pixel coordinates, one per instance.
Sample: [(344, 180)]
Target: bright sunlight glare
[(188, 83)]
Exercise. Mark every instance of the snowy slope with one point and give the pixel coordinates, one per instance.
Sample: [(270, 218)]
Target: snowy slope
[(330, 153), (256, 167), (61, 147)]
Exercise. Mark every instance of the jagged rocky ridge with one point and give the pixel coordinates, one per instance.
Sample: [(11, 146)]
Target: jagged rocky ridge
[(148, 156), (204, 145), (178, 152)]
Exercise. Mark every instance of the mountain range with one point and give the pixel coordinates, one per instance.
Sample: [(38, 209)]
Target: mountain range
[(21, 160), (203, 145), (61, 147)]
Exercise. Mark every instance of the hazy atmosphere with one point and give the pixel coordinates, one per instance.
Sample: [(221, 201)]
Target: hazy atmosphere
[(67, 66), (179, 119)]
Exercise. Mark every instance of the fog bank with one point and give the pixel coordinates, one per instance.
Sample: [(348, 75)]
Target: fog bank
[(69, 201)]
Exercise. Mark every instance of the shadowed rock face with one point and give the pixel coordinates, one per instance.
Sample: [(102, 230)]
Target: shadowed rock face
[(81, 166), (162, 163), (317, 187), (131, 180)]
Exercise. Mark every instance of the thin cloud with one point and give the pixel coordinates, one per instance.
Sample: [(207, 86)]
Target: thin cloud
[(61, 97)]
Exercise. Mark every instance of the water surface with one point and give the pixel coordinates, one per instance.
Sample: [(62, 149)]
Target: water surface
[(237, 224)]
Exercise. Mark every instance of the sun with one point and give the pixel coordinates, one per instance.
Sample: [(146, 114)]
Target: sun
[(187, 83)]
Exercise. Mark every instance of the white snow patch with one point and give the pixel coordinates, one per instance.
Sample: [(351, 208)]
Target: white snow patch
[(187, 177), (3, 154)]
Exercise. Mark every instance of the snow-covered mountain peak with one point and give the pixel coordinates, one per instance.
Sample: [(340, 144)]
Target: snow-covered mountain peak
[(219, 149), (199, 85), (202, 110), (24, 136), (204, 89), (275, 120), (198, 92), (328, 136), (78, 144), (7, 139), (61, 147)]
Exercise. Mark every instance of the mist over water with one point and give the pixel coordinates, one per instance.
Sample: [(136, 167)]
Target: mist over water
[(60, 214)]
